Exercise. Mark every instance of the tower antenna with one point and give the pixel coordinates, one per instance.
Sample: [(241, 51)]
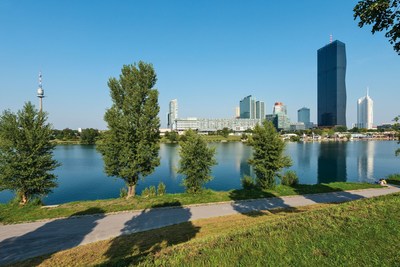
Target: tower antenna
[(40, 92), (330, 38)]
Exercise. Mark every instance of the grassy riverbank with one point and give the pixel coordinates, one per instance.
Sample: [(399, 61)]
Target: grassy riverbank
[(66, 142), (358, 233), (13, 213), (393, 179)]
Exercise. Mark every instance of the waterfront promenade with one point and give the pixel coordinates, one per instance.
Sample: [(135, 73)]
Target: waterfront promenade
[(22, 241)]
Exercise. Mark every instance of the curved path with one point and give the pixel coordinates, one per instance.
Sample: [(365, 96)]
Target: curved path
[(26, 240)]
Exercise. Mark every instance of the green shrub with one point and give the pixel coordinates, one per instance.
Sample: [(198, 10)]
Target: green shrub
[(393, 179), (248, 182), (161, 189), (123, 192), (34, 201), (393, 176), (145, 192), (290, 178), (152, 191)]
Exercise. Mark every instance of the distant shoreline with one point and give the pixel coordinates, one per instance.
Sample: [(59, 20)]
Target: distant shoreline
[(73, 142)]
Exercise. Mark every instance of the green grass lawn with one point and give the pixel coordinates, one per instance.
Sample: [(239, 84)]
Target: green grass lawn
[(360, 233), (365, 232), (13, 213)]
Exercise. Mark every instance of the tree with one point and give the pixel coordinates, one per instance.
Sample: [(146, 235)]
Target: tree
[(69, 134), (268, 158), (89, 136), (340, 129), (224, 132), (383, 15), (196, 161), (131, 144), (396, 126), (172, 136), (26, 153), (354, 130)]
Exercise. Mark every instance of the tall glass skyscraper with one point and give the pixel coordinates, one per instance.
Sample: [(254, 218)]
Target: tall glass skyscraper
[(260, 110), (303, 115), (248, 108), (172, 114), (332, 84)]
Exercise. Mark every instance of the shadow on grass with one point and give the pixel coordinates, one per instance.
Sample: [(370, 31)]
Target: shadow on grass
[(322, 193), (251, 193), (136, 243), (264, 200), (260, 201), (393, 182), (51, 237), (167, 204)]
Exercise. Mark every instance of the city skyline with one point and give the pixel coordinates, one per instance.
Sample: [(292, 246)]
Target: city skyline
[(200, 51)]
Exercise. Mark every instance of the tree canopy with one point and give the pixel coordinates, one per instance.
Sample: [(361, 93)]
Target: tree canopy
[(26, 153), (196, 161), (268, 158), (131, 144), (89, 136), (383, 15)]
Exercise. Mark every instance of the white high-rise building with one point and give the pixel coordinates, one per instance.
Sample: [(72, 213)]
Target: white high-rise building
[(365, 107), (260, 110), (172, 114)]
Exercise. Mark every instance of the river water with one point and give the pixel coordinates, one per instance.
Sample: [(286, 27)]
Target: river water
[(81, 175)]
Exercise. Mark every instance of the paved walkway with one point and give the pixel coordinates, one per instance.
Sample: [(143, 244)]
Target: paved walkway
[(22, 241)]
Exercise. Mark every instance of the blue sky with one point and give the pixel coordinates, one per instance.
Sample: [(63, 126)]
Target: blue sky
[(207, 54)]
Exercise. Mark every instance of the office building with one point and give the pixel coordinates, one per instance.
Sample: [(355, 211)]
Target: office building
[(332, 85), (237, 112), (251, 109), (297, 126), (279, 107), (303, 115), (260, 110), (279, 117), (172, 114), (248, 108), (365, 112), (213, 125)]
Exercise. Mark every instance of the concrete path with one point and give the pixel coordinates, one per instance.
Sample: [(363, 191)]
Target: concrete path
[(22, 241)]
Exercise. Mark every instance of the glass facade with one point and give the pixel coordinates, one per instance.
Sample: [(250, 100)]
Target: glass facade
[(332, 85), (248, 108), (172, 114), (279, 118), (303, 115), (260, 110)]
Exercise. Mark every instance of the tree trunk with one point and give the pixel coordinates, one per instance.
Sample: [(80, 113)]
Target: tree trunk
[(131, 190), (24, 198)]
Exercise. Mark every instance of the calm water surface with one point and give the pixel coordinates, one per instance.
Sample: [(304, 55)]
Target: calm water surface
[(81, 175)]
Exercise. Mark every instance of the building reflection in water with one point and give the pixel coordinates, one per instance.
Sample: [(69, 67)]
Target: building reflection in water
[(245, 167), (304, 154), (172, 154), (365, 161), (332, 162)]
